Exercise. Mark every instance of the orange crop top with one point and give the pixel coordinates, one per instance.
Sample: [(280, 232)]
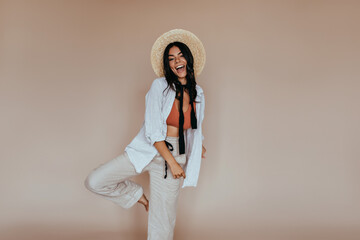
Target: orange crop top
[(173, 118)]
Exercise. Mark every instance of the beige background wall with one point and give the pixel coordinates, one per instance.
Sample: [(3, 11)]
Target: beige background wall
[(281, 124)]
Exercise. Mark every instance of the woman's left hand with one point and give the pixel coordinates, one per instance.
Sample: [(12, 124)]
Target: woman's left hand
[(203, 151)]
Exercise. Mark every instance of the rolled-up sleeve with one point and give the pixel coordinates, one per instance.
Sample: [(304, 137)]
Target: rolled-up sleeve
[(153, 114)]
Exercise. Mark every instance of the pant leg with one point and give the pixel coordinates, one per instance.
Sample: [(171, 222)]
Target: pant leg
[(110, 181), (163, 199)]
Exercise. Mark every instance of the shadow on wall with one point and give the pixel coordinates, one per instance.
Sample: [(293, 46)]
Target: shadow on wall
[(38, 232), (42, 232)]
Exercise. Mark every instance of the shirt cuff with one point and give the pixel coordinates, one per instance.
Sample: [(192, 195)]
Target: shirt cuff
[(156, 137)]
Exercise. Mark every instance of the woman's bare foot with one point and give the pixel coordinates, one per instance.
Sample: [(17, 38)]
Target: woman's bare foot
[(143, 200)]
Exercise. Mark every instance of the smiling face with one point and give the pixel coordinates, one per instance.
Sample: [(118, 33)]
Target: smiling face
[(177, 62)]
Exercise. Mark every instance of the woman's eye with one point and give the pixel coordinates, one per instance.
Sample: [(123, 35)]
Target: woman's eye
[(171, 59)]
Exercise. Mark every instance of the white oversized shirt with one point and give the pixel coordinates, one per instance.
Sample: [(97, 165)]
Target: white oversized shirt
[(158, 104)]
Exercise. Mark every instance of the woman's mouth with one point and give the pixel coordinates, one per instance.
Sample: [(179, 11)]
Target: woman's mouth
[(180, 69)]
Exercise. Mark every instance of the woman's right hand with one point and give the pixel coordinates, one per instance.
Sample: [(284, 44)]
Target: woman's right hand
[(176, 170)]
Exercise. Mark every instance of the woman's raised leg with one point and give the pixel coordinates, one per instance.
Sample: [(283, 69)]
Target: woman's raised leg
[(110, 181)]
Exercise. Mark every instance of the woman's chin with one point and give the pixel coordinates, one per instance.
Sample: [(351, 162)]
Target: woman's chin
[(181, 75)]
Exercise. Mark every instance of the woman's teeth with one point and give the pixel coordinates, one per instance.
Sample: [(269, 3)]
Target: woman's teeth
[(180, 69)]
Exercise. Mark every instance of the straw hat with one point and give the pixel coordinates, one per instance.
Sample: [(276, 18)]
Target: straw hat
[(177, 35)]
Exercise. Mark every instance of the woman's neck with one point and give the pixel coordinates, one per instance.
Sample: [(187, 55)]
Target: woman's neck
[(182, 81)]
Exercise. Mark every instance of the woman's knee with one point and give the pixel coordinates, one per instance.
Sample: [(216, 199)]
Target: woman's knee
[(92, 182), (107, 175)]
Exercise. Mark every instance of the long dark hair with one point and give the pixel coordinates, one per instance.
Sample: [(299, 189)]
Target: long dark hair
[(170, 76)]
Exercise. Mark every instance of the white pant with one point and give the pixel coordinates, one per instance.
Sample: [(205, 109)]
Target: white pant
[(110, 181)]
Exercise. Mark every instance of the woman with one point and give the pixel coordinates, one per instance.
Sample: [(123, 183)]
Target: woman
[(169, 138)]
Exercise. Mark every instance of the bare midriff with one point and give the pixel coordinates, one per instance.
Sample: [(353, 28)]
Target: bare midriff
[(172, 131)]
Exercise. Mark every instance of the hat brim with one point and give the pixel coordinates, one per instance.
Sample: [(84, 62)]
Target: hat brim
[(177, 35)]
